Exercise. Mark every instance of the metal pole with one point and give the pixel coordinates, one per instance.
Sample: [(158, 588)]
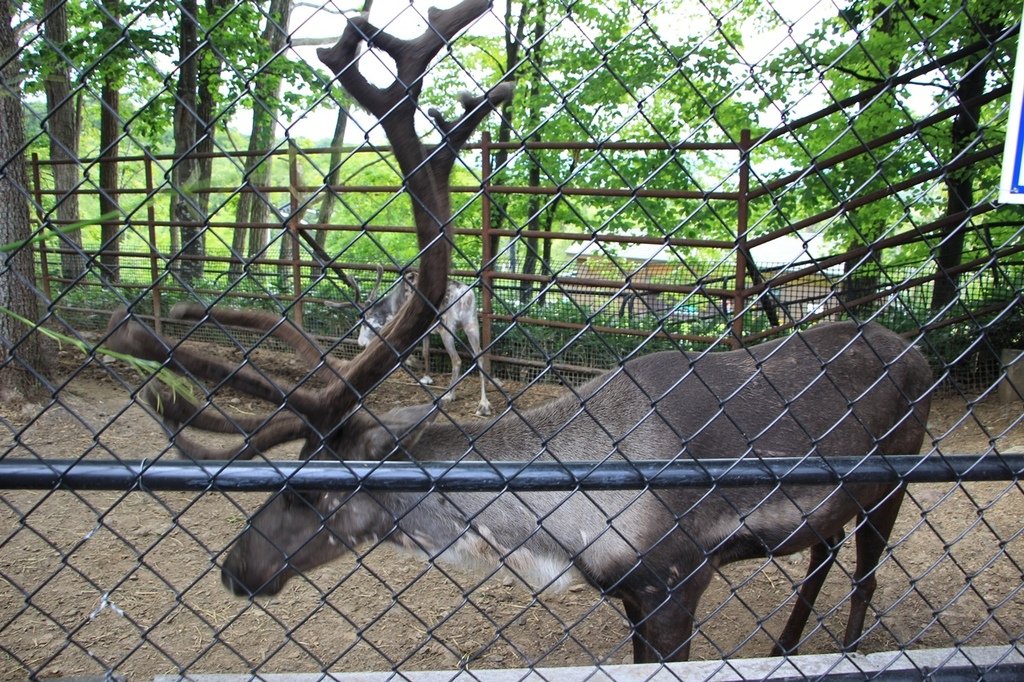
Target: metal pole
[(504, 476)]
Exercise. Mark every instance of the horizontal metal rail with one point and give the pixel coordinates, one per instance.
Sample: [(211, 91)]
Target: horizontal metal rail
[(502, 476)]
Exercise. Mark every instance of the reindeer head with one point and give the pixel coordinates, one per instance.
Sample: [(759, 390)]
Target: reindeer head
[(374, 319), (295, 532)]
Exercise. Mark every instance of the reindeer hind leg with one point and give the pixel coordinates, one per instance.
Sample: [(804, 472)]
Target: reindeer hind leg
[(425, 378), (875, 527), (823, 555), (453, 354)]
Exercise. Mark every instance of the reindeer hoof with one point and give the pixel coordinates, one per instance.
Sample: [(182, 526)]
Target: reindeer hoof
[(447, 398), (427, 381), (484, 410)]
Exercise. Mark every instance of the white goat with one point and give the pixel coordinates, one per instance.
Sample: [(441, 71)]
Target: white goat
[(458, 311)]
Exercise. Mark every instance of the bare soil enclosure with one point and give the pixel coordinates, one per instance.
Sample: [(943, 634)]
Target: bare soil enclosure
[(129, 581)]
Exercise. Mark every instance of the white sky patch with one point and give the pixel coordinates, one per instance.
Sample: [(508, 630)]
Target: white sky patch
[(404, 20), (407, 20), (797, 21)]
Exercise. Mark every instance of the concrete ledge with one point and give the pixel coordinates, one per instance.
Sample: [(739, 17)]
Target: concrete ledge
[(991, 663)]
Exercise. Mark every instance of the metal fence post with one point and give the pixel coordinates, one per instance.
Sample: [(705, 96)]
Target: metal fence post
[(44, 258), (293, 229)]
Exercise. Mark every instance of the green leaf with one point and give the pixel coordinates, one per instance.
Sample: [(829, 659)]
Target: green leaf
[(148, 368)]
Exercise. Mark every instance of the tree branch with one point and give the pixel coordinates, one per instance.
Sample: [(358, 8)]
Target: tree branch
[(312, 42), (851, 72), (24, 26)]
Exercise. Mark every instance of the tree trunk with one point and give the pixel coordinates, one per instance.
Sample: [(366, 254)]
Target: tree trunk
[(63, 129), (548, 225), (22, 352), (184, 209), (266, 93), (110, 119), (288, 249), (860, 280), (512, 44), (327, 203), (337, 142), (238, 237), (532, 256), (959, 183), (210, 66)]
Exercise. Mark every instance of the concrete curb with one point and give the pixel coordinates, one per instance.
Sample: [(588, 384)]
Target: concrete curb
[(991, 663)]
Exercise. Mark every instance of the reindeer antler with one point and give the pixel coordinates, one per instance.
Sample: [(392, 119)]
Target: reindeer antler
[(426, 174), (411, 58), (311, 413), (279, 327)]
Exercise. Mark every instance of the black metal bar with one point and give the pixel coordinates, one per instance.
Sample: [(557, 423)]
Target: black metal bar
[(497, 476)]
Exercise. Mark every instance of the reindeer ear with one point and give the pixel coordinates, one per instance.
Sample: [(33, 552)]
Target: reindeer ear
[(406, 425)]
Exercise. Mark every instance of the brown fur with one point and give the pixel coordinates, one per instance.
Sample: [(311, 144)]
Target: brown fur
[(834, 390)]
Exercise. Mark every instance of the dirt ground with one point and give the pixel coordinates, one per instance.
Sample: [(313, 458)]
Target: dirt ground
[(130, 582)]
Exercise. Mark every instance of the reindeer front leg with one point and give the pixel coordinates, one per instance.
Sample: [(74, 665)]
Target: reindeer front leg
[(483, 367)]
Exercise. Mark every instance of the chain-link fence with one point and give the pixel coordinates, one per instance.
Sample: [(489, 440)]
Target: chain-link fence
[(748, 317)]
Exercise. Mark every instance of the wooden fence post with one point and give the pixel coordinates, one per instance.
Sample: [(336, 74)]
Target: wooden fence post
[(44, 256), (293, 229), (486, 267), (739, 300), (154, 266)]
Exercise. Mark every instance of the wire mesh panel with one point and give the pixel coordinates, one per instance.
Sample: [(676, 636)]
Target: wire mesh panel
[(729, 320)]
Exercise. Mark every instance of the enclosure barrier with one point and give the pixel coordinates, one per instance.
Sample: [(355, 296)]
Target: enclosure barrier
[(620, 204), (992, 664), (505, 476)]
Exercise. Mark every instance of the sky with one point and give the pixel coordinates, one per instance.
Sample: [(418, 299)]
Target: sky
[(405, 19), (402, 19)]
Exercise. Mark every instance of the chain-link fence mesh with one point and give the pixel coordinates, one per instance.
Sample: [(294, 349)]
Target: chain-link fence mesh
[(680, 245)]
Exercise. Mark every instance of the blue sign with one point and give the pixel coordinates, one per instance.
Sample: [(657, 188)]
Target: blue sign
[(1011, 185)]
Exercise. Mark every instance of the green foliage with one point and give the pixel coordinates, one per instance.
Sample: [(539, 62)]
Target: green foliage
[(588, 72), (860, 47), (672, 72)]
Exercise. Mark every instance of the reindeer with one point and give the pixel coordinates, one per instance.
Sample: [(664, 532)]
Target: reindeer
[(458, 311), (837, 389)]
